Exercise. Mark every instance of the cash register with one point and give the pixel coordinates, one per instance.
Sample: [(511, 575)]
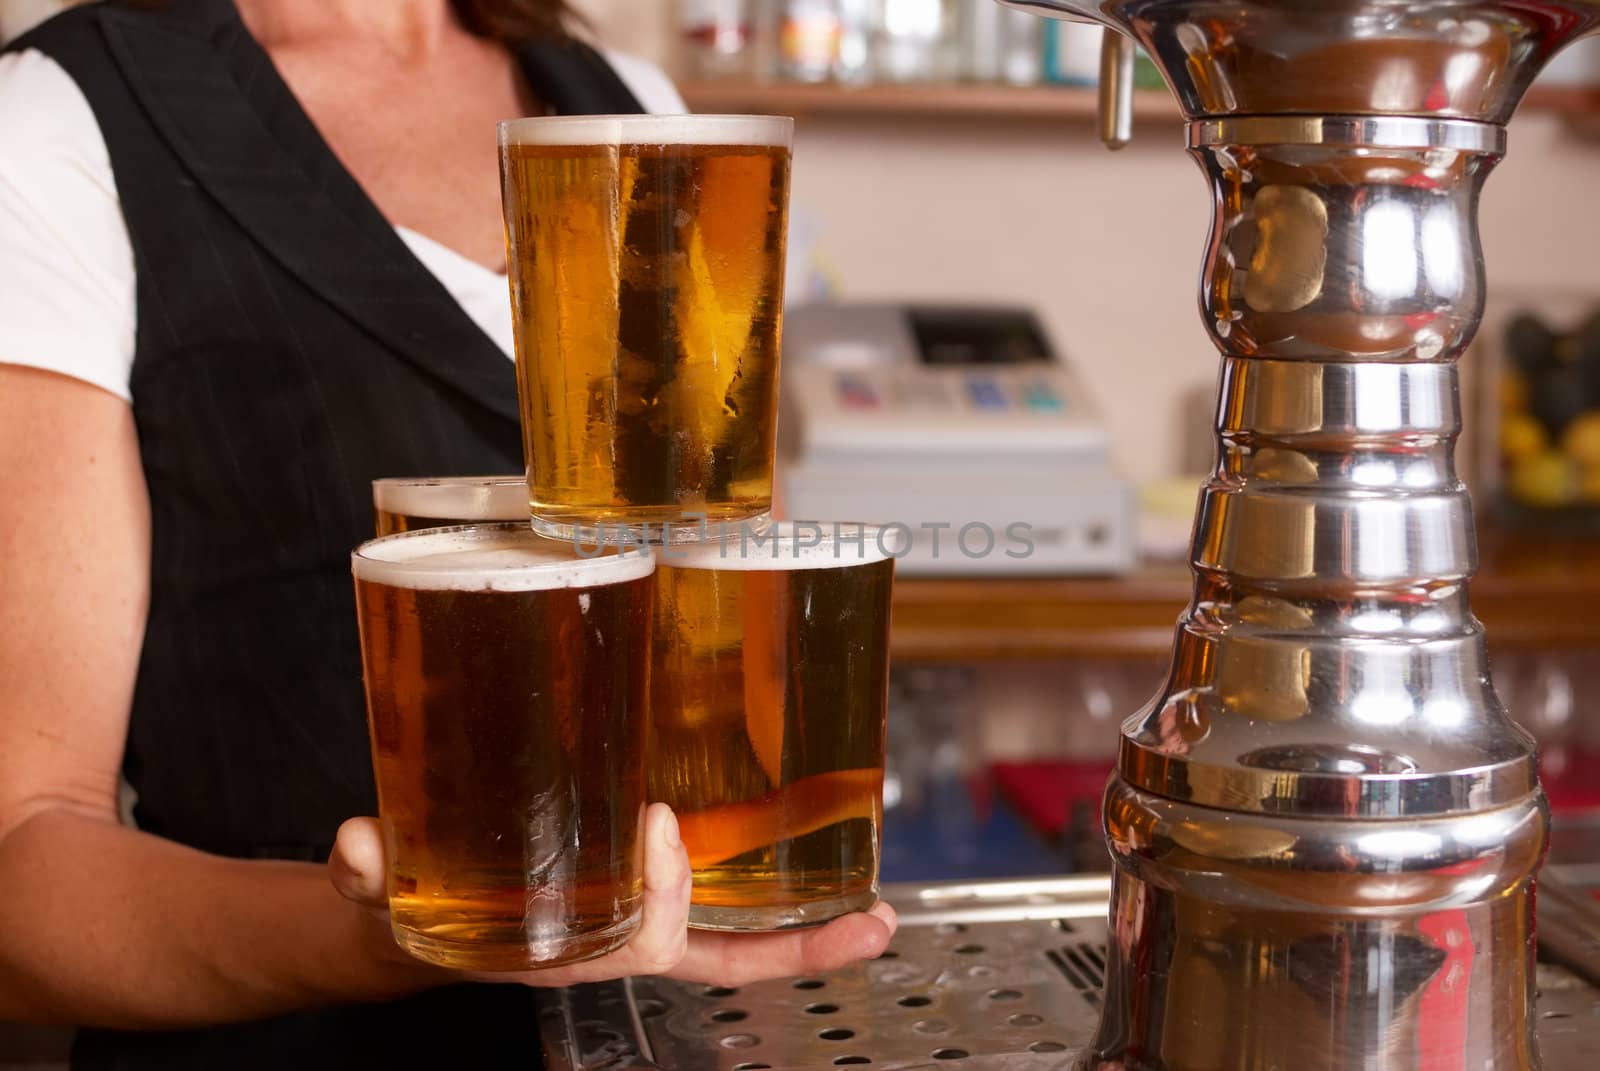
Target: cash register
[(963, 425)]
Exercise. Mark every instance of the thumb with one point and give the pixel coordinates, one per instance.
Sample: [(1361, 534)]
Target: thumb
[(357, 866)]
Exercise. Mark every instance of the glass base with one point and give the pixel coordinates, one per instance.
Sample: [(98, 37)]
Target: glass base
[(671, 531), (749, 919), (517, 952)]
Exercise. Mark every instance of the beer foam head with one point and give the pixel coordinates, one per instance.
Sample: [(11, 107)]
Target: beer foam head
[(791, 545), (456, 498), (490, 557), (588, 130)]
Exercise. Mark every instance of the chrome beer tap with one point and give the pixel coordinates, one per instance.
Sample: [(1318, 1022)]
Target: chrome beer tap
[(1325, 828)]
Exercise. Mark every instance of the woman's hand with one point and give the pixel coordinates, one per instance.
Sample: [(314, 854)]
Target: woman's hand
[(663, 944)]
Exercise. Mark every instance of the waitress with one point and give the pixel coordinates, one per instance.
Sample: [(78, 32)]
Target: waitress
[(251, 259)]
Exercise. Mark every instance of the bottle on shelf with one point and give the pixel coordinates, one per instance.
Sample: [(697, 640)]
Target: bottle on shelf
[(716, 37), (857, 42), (808, 40), (919, 42), (1022, 47), (766, 30), (860, 27), (999, 44), (1072, 53), (983, 40)]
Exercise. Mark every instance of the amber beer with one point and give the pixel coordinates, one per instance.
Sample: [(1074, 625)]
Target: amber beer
[(506, 688), (646, 260), (769, 687), (405, 505)]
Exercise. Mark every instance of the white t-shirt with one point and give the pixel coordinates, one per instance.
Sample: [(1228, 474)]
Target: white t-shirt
[(67, 283)]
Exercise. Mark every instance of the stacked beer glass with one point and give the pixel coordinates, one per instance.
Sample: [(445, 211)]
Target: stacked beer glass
[(653, 635)]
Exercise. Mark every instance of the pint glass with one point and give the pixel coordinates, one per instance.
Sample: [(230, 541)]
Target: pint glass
[(769, 688), (404, 505), (506, 689), (646, 262)]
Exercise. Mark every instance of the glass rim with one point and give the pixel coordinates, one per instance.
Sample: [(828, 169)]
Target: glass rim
[(576, 131), (404, 560), (452, 497), (792, 545)]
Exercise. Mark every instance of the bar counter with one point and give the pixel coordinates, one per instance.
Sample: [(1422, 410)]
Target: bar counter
[(1531, 593)]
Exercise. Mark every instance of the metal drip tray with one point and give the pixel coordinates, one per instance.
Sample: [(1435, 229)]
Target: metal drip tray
[(981, 976)]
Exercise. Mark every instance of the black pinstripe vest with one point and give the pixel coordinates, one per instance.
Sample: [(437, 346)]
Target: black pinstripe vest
[(290, 350)]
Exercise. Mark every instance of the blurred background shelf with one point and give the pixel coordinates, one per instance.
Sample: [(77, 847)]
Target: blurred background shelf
[(975, 101), (1531, 594), (963, 100)]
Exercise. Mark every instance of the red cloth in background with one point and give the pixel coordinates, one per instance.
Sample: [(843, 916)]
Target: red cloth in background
[(1571, 777), (1044, 793)]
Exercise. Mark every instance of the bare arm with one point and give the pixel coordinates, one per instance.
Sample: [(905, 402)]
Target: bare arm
[(102, 924)]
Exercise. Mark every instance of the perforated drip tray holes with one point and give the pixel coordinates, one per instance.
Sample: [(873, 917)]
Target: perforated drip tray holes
[(980, 976)]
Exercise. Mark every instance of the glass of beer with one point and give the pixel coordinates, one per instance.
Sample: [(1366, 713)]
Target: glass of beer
[(506, 687), (405, 505), (646, 259), (768, 694)]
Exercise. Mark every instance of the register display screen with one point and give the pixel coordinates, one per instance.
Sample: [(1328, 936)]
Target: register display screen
[(977, 336)]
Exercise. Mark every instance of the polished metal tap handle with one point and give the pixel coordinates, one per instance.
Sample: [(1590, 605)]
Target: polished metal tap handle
[(1325, 826), (1116, 89)]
